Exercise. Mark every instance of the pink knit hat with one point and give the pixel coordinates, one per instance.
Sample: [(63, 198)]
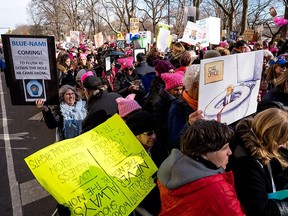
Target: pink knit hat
[(82, 56), (127, 105), (172, 80), (126, 62), (85, 75)]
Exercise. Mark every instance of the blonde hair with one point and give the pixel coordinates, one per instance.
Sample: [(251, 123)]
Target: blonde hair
[(280, 83), (178, 48), (271, 73), (268, 130)]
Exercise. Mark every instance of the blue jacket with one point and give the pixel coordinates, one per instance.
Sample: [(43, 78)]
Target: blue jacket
[(178, 116)]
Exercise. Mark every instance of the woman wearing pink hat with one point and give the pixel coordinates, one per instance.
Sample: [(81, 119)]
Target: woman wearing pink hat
[(127, 81)]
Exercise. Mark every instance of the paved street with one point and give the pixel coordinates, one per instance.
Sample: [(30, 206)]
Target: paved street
[(21, 134)]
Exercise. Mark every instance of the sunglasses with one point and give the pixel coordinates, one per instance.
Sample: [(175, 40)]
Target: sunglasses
[(149, 133), (283, 66), (129, 68)]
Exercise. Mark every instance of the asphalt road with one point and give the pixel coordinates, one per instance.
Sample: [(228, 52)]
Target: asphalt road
[(21, 134)]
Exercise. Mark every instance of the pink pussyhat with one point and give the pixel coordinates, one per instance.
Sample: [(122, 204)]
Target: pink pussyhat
[(85, 75)]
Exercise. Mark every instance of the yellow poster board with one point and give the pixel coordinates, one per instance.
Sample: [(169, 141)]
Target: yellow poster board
[(104, 171)]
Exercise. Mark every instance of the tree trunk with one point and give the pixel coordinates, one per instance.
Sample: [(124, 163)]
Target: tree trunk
[(244, 16), (284, 28)]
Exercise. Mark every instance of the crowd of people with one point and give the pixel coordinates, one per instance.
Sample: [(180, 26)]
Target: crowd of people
[(205, 167)]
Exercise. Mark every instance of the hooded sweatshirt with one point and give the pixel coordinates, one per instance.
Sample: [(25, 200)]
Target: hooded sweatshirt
[(188, 187)]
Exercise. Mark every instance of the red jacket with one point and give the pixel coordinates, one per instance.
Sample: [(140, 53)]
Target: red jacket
[(209, 196)]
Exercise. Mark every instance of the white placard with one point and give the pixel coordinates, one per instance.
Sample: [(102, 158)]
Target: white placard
[(163, 40), (194, 34), (30, 58), (211, 26), (75, 38), (242, 72)]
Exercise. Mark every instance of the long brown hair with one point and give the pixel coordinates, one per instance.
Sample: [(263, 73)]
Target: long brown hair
[(268, 130)]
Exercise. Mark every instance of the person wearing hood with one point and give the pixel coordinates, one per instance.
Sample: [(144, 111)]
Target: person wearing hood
[(192, 181)]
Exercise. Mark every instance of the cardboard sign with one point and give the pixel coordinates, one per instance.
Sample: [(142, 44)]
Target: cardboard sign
[(104, 171), (99, 39), (248, 35), (134, 25), (31, 69), (229, 85), (213, 71)]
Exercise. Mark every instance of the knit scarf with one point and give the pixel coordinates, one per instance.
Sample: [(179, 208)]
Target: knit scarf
[(191, 102), (72, 118)]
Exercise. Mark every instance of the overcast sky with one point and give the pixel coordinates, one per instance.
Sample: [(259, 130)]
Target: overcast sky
[(12, 13)]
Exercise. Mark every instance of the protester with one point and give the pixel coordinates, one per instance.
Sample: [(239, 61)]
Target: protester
[(173, 89), (143, 126), (259, 168), (65, 72), (184, 105), (160, 66), (127, 106), (192, 180), (241, 46), (100, 104), (67, 117), (186, 60), (177, 50), (127, 81), (280, 91), (142, 68), (277, 67)]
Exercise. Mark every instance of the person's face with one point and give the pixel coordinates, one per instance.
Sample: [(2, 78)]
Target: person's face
[(68, 62), (220, 157), (129, 70), (147, 139), (83, 60), (75, 60), (229, 90), (245, 48), (176, 91), (280, 69), (69, 97)]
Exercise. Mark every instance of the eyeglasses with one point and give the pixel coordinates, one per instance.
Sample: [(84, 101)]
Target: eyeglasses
[(149, 133)]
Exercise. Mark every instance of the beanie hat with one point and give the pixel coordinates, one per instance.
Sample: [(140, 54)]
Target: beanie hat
[(127, 105), (82, 56), (126, 62), (140, 122), (172, 80), (80, 74), (85, 75), (92, 83), (162, 66), (211, 54)]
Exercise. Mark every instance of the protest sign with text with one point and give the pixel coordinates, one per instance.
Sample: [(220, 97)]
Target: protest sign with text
[(229, 86), (104, 171)]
